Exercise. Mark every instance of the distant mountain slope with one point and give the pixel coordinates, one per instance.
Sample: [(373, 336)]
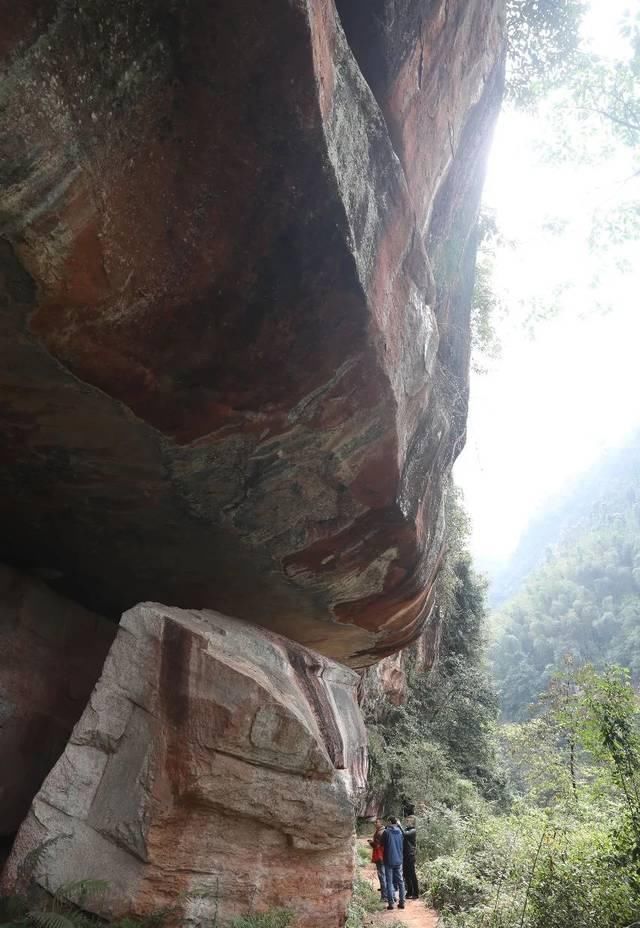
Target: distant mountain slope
[(562, 517), (583, 599)]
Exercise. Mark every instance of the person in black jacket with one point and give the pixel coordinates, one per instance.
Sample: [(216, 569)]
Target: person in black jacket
[(409, 858)]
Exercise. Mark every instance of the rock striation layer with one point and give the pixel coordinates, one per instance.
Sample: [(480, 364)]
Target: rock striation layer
[(236, 259), (211, 756), (51, 654)]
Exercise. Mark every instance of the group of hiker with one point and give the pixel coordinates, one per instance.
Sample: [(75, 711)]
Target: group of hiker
[(394, 854)]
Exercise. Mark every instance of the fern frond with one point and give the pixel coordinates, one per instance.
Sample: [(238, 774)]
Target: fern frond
[(84, 920), (44, 919), (79, 890), (32, 860)]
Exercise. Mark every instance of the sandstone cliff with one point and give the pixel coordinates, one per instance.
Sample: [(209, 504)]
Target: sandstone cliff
[(236, 249), (237, 245)]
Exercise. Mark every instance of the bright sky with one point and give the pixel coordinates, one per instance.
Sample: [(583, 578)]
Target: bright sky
[(545, 411)]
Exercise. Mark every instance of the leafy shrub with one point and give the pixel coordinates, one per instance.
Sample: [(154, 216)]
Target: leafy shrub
[(452, 884), (585, 882), (440, 831), (540, 868)]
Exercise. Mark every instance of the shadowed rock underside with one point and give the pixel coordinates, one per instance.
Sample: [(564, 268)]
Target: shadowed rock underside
[(51, 654)]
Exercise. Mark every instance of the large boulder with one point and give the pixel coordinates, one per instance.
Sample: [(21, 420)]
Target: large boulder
[(236, 259), (211, 756), (51, 655)]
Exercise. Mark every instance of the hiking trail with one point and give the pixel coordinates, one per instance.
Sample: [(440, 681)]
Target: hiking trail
[(416, 914)]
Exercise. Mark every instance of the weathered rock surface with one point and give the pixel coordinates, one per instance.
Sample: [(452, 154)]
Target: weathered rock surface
[(211, 755), (51, 655), (236, 257), (390, 674), (391, 677)]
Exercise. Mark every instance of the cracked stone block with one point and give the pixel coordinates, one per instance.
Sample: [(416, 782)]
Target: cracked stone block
[(212, 755)]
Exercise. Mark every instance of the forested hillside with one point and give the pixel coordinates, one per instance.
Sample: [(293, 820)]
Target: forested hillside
[(563, 517), (533, 825), (583, 602)]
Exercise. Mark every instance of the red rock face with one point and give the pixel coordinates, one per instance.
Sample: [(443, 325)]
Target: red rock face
[(51, 654), (390, 674), (236, 250), (211, 756)]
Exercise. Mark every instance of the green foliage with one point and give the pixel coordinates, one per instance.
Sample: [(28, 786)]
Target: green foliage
[(79, 891), (458, 528), (538, 870), (543, 41), (483, 880), (364, 855), (61, 909), (151, 921), (604, 94), (276, 918), (364, 901), (486, 307), (587, 112), (440, 830), (33, 860), (454, 884), (579, 882), (566, 855), (584, 602), (52, 919), (426, 771), (485, 344)]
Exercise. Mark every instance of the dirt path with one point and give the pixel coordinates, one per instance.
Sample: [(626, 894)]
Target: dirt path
[(415, 914)]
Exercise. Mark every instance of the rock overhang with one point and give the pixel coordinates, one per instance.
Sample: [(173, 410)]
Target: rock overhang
[(235, 340)]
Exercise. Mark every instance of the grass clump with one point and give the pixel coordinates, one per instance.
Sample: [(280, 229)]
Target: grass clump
[(364, 855), (276, 918), (364, 901)]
